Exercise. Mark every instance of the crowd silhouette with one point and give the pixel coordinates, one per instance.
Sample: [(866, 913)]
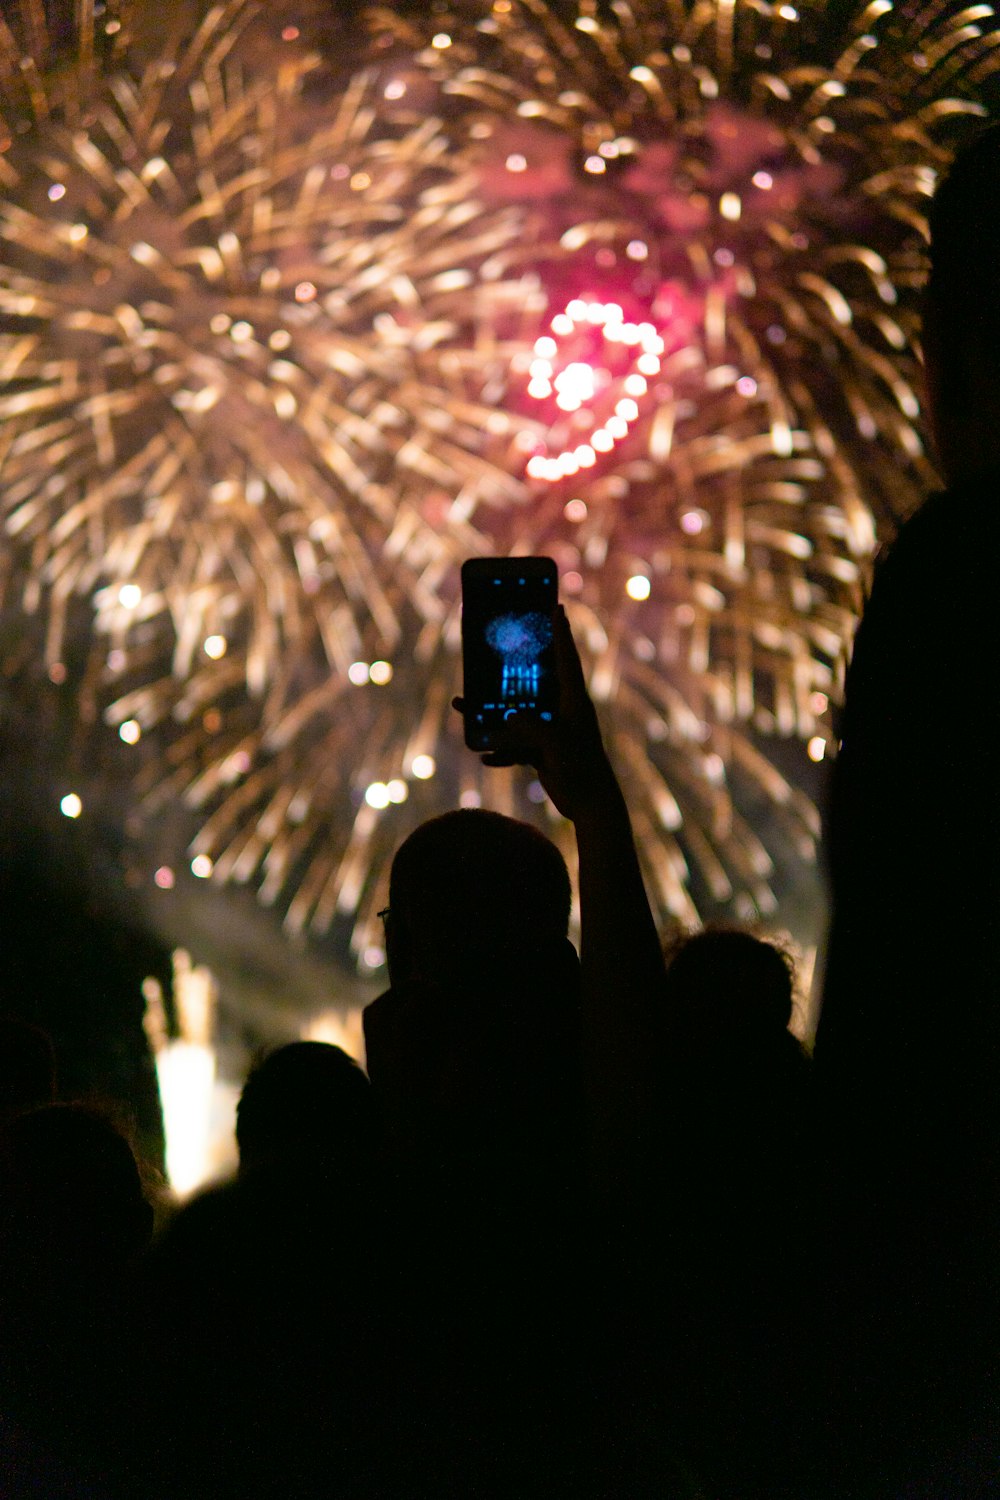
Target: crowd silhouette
[(592, 1223)]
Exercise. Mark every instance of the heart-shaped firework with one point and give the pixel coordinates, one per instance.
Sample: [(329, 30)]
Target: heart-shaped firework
[(594, 361)]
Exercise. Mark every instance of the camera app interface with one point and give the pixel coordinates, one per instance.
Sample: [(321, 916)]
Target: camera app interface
[(508, 642)]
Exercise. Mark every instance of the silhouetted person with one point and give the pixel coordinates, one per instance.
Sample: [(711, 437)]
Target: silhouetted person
[(474, 1058), (73, 1224), (908, 1048), (727, 1002), (737, 1154), (268, 1305), (472, 1052)]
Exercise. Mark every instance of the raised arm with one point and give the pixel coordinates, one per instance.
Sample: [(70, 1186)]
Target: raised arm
[(621, 959)]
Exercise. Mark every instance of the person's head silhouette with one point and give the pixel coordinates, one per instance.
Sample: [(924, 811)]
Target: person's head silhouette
[(726, 986), (472, 1051), (476, 896), (305, 1104)]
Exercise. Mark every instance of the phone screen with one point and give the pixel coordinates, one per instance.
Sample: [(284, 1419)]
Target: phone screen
[(508, 663)]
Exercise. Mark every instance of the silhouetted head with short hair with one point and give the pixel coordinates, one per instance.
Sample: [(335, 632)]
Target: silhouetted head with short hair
[(477, 894), (305, 1104), (473, 1051), (726, 985)]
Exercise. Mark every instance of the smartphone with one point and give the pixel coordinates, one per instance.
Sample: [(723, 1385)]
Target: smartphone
[(507, 657)]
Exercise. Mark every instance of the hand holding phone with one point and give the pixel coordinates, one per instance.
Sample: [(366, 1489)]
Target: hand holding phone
[(561, 740)]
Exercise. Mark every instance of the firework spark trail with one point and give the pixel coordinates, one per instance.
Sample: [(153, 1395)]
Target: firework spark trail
[(268, 330), (769, 171), (230, 399)]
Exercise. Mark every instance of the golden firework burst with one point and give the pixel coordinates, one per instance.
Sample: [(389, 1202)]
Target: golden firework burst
[(286, 336)]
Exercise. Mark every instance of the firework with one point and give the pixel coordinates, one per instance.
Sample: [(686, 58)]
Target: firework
[(286, 340)]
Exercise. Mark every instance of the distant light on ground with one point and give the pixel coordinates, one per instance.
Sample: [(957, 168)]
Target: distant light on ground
[(185, 1070), (185, 1073)]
